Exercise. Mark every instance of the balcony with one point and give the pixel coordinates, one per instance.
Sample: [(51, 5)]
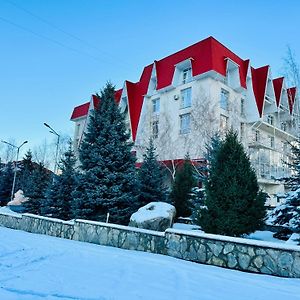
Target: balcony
[(266, 171)]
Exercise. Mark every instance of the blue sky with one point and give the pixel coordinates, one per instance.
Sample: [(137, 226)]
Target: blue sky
[(54, 54)]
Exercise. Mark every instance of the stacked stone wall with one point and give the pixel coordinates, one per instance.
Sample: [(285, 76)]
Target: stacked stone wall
[(233, 253)]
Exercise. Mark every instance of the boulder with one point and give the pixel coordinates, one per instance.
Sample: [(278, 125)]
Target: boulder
[(154, 216)]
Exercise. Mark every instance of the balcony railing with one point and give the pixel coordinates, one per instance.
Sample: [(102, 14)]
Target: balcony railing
[(270, 172)]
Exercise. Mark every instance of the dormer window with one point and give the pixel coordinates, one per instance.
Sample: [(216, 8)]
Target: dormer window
[(186, 75), (270, 120)]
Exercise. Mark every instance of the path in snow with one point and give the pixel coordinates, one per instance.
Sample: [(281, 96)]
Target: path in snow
[(42, 267)]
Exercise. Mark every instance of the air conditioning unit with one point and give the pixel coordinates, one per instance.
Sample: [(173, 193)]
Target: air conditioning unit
[(176, 97)]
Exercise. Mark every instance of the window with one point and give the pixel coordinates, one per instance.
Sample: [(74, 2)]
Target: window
[(272, 141), (283, 126), (155, 129), (186, 75), (242, 106), (223, 123), (185, 123), (156, 105), (284, 146), (270, 120), (224, 99), (242, 130), (186, 98), (257, 135)]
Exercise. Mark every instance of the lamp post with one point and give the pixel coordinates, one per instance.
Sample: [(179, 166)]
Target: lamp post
[(57, 145), (15, 170)]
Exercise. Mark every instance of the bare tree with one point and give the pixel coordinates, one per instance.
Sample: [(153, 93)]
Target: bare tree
[(7, 152), (291, 67)]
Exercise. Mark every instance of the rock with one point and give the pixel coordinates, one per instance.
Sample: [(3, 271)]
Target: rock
[(258, 262), (285, 261), (232, 262), (244, 260), (154, 216), (228, 248)]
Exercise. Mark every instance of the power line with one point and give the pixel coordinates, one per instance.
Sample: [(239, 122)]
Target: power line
[(65, 32), (47, 38)]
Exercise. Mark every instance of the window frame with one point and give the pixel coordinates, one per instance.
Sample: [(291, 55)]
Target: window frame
[(186, 104), (186, 129)]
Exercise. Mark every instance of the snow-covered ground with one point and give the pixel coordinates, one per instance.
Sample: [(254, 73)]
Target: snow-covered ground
[(42, 267)]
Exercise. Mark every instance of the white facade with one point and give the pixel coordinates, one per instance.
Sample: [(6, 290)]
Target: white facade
[(182, 117)]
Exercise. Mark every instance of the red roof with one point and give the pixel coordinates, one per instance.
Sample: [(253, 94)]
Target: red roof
[(206, 55), (80, 111), (291, 92), (259, 82), (278, 85)]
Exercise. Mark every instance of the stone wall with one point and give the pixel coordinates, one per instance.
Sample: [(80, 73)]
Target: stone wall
[(234, 253)]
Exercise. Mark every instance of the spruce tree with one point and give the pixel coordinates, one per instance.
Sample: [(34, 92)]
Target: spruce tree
[(24, 175), (6, 182), (288, 213), (234, 204), (151, 178), (59, 193), (108, 181), (182, 189), (37, 186)]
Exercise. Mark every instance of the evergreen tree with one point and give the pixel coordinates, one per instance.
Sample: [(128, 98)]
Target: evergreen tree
[(234, 204), (6, 182), (37, 186), (24, 176), (182, 189), (288, 213), (108, 182), (151, 178), (59, 193)]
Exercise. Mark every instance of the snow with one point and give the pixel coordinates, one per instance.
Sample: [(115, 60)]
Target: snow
[(19, 198), (234, 239), (153, 210), (264, 236), (5, 210), (182, 226), (294, 239), (34, 267), (122, 227)]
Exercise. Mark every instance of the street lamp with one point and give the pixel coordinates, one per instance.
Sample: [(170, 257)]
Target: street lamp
[(57, 144), (15, 170)]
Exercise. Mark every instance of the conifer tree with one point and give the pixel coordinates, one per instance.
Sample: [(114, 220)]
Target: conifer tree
[(108, 181), (59, 193), (287, 214), (37, 186), (24, 176), (234, 204), (182, 194), (151, 178), (6, 181)]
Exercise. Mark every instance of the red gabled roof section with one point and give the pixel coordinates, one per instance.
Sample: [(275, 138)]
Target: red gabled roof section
[(291, 92), (80, 111), (278, 85), (118, 94), (259, 83), (206, 55), (135, 94)]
